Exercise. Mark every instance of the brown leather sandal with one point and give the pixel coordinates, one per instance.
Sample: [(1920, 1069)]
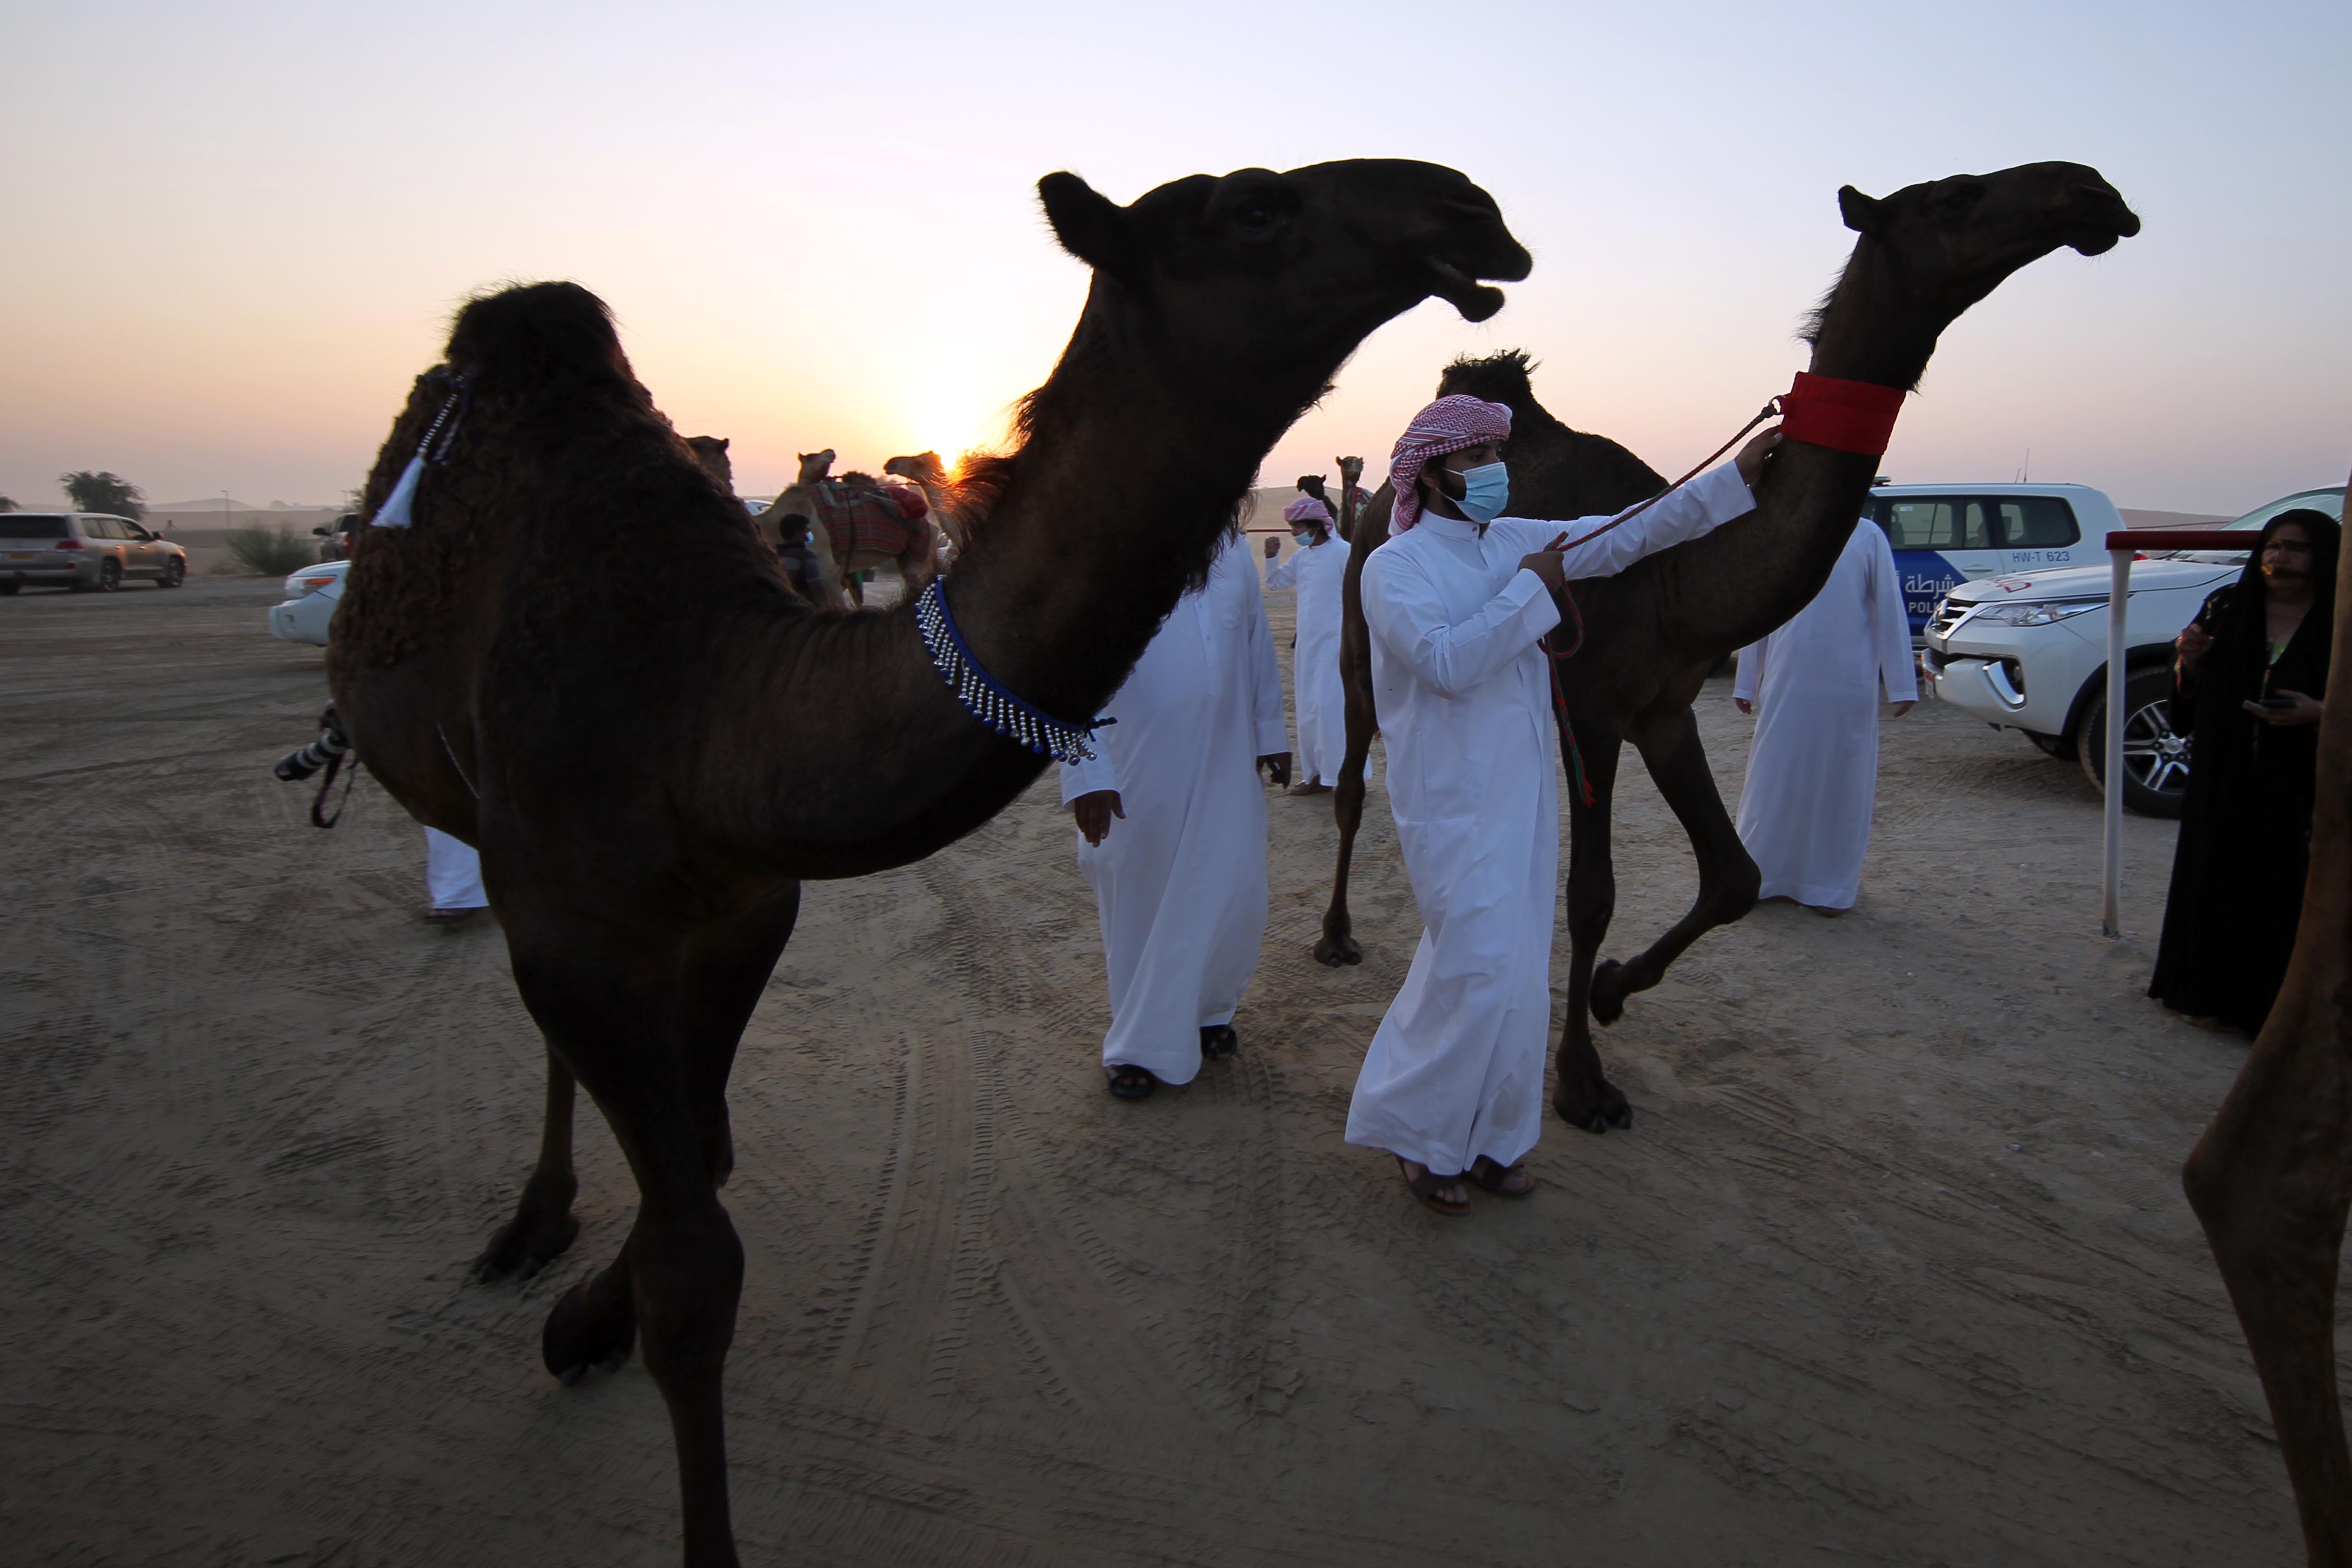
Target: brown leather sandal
[(1497, 1179), (1426, 1186)]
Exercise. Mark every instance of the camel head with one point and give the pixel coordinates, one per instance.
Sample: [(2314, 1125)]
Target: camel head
[(1351, 469), (1952, 241), (1259, 284), (923, 467), (814, 467), (711, 451), (1312, 485)]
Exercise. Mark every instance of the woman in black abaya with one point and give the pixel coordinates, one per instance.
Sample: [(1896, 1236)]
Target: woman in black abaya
[(2247, 683)]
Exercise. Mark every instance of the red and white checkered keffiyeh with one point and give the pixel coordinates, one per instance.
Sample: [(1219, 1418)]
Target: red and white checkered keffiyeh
[(1446, 425), (1306, 508)]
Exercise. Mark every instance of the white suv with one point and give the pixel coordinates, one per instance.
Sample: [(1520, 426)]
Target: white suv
[(2028, 651), (1944, 535)]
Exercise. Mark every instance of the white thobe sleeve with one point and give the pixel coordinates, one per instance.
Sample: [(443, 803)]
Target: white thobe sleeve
[(1085, 777), (1273, 735), (1890, 624), (1751, 670), (1715, 498), (1403, 610), (1283, 576)]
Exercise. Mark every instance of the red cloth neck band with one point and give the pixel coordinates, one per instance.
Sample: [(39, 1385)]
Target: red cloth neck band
[(1843, 416)]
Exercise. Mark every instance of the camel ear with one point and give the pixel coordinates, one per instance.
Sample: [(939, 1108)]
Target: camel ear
[(1860, 211), (1090, 226)]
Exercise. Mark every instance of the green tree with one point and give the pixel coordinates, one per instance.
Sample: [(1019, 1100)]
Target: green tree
[(109, 493), (8, 504)]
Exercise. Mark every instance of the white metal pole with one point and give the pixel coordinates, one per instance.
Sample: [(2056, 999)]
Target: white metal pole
[(2111, 919)]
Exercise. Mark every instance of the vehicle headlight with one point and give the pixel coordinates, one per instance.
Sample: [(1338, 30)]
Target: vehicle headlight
[(2039, 613)]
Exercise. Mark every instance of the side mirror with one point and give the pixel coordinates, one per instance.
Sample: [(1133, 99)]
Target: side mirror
[(321, 531)]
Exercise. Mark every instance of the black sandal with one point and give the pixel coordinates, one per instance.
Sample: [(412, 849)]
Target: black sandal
[(1218, 1041), (1425, 1187), (1129, 1081), (1495, 1178)]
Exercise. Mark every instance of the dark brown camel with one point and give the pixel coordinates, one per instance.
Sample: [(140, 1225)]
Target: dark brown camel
[(651, 749), (1652, 633), (2271, 1178)]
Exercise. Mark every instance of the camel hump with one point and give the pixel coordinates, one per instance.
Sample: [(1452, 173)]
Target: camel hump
[(535, 333)]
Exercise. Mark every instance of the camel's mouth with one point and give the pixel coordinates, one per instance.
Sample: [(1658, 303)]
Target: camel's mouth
[(2107, 225), (1475, 301)]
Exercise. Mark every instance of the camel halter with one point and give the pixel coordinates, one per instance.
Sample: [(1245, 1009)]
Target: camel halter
[(1855, 416), (1021, 722)]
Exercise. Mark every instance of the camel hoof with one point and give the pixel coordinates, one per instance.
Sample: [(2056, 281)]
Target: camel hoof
[(1332, 951), (1606, 999), (573, 1342), (1594, 1112), (524, 1245)]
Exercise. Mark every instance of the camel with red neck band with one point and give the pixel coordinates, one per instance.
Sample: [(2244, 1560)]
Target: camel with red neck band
[(652, 750), (1651, 634)]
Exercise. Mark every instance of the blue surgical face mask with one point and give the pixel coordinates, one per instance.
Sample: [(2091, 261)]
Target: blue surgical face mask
[(1487, 491)]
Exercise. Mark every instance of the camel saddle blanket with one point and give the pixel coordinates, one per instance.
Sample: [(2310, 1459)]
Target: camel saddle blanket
[(859, 519)]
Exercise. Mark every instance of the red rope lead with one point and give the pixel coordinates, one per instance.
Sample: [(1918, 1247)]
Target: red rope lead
[(1843, 416), (1566, 598)]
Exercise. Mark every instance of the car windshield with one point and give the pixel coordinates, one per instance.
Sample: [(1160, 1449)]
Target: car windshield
[(16, 525), (2329, 501)]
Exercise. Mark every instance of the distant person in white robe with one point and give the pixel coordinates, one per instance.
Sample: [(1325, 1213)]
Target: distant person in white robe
[(1814, 684), (1316, 571), (1171, 820), (1455, 601), (452, 880)]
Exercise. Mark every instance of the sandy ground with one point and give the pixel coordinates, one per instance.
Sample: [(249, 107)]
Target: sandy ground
[(1892, 1267)]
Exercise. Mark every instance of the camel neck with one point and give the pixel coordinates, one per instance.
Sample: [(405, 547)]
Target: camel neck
[(1116, 501), (1870, 329)]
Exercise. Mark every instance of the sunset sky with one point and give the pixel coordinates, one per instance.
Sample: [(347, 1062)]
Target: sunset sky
[(234, 232)]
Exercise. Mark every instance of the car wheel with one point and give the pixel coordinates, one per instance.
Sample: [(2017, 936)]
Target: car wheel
[(173, 574), (110, 576), (11, 585), (2156, 756)]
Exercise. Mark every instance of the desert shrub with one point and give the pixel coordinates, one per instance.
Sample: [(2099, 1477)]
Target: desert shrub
[(271, 553)]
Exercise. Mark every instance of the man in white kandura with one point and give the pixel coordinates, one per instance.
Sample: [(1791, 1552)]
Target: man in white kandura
[(1180, 882), (1813, 774), (1316, 569), (452, 880), (1455, 601)]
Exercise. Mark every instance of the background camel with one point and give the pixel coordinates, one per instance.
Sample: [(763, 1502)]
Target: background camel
[(711, 451), (948, 503), (874, 525), (651, 750), (1651, 634), (2272, 1179)]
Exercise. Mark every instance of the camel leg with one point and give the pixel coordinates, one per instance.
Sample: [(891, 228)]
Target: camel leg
[(1727, 878), (680, 1274), (1338, 944), (543, 1226), (2271, 1182), (721, 981), (1584, 1096)]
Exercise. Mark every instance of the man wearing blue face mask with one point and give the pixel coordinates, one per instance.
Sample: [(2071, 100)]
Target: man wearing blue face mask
[(1456, 602)]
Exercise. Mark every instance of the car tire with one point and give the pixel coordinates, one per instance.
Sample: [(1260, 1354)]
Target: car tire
[(11, 585), (110, 575), (2156, 777), (173, 574)]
